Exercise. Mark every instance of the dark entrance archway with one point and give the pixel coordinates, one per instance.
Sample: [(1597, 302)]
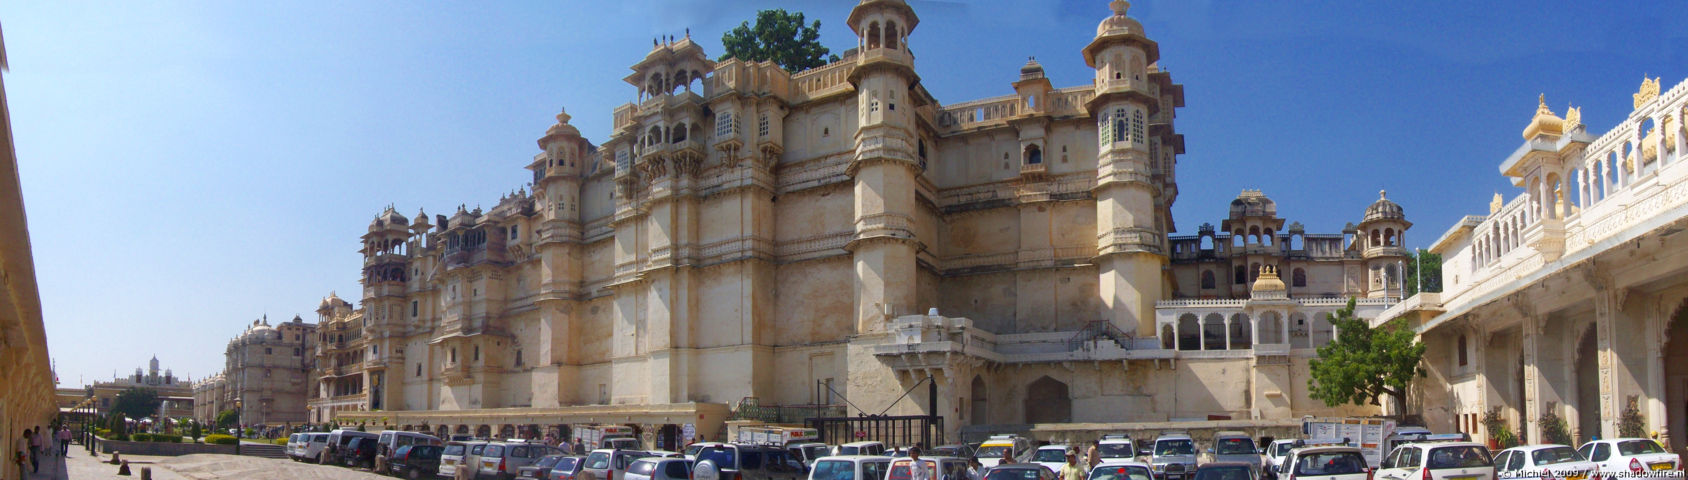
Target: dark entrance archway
[(1676, 378), (1588, 386), (977, 391), (1048, 401)]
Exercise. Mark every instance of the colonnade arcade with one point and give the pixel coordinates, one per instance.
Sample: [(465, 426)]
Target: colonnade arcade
[(1191, 329)]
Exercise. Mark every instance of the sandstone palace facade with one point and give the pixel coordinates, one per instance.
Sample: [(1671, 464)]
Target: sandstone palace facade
[(831, 238)]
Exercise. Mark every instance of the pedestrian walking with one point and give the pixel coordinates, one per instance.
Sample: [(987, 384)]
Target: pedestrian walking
[(64, 441), (1094, 456), (1072, 470), (22, 450), (35, 450), (917, 470)]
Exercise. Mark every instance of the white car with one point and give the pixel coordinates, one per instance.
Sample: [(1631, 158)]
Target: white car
[(1325, 463), (1631, 455), (1052, 456), (1122, 470), (659, 468), (850, 467), (1117, 447), (1438, 461), (1275, 454), (1542, 461)]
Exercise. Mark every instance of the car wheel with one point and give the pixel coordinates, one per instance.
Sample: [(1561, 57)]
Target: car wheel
[(706, 470), (413, 474)]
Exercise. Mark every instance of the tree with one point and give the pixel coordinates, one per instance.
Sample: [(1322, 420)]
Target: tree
[(194, 429), (779, 36), (1431, 263), (226, 419), (1364, 363), (136, 402)]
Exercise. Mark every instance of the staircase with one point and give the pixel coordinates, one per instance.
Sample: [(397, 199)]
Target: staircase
[(1099, 329), (262, 450)]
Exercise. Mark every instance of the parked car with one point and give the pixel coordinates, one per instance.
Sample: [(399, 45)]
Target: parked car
[(1553, 462), (360, 452), (1122, 470), (540, 469), (610, 464), (1274, 457), (736, 461), (1325, 463), (390, 441), (1019, 471), (945, 468), (416, 461), (338, 440), (1173, 457), (806, 453), (991, 452), (311, 450), (1226, 471), (1236, 447), (1052, 456), (567, 467), (1116, 446), (457, 455), (1438, 461), (503, 460), (861, 448), (850, 467), (659, 468), (295, 445), (1633, 455)]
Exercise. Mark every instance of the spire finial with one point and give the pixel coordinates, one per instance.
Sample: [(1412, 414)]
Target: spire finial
[(1541, 99), (1119, 7), (1382, 194)]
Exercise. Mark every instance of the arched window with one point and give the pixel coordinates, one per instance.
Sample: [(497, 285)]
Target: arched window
[(891, 35), (873, 35), (1241, 332), (1376, 238), (1189, 332), (1389, 237), (1033, 155), (1167, 337), (679, 134), (1207, 279), (1463, 360), (1213, 332), (977, 392), (1254, 235), (1298, 278), (1119, 125), (1241, 275), (1254, 271), (1238, 238)]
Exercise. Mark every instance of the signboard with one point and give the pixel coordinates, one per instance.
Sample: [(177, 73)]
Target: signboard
[(860, 434), (687, 433)]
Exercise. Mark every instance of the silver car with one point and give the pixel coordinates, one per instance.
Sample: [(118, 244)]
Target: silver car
[(1174, 457), (659, 468), (1236, 447)]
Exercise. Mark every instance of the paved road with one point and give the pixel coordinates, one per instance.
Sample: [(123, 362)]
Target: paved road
[(193, 467)]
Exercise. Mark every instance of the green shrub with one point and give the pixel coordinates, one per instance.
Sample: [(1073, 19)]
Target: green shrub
[(220, 439), (166, 438), (1553, 427), (141, 437), (1631, 424), (121, 437)]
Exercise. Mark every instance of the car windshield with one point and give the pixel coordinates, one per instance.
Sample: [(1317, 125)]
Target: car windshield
[(453, 450), (1639, 447), (426, 452), (1224, 473), (1115, 450), (493, 451), (1282, 449), (477, 449), (565, 464), (1175, 447), (692, 450), (724, 457), (1552, 455), (815, 451), (1330, 463), (833, 470), (1122, 472), (992, 451), (1235, 446), (1459, 457), (1010, 473), (900, 470), (546, 462), (598, 461), (1050, 455)]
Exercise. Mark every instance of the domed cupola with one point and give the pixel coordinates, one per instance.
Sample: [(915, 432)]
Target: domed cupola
[(1119, 28), (1031, 69), (1384, 209), (1268, 286), (1545, 122)]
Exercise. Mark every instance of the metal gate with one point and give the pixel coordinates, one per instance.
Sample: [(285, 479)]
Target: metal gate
[(894, 431)]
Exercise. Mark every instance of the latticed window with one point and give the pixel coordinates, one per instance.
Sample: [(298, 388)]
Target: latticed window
[(623, 161), (1120, 128), (724, 127), (762, 127), (1104, 130), (1137, 126)]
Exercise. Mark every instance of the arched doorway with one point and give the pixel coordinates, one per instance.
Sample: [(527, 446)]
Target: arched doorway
[(1588, 386), (1047, 401), (483, 431), (979, 413), (1676, 378)]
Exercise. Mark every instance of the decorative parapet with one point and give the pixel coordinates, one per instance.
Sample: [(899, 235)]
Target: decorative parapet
[(1130, 240)]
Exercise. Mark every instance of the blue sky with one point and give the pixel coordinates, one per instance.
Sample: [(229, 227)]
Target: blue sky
[(191, 166)]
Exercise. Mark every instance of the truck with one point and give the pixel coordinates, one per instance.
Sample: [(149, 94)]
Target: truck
[(804, 444), (1367, 434), (604, 436)]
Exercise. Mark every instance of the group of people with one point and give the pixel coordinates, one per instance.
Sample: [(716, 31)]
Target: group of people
[(1074, 469), (579, 448), (33, 445)]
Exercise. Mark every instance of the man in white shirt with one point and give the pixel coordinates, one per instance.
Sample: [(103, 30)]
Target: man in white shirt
[(917, 469)]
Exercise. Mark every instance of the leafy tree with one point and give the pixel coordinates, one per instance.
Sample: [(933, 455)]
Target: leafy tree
[(1631, 424), (1553, 426), (779, 36), (1431, 264), (136, 402), (1364, 363), (193, 429), (226, 419)]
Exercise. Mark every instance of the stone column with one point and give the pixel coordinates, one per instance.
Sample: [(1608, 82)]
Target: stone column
[(1605, 309), (1531, 327)]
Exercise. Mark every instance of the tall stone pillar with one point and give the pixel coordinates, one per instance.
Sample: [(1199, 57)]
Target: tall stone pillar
[(1605, 308), (1531, 327)]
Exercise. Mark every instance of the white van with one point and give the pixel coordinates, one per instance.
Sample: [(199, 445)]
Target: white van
[(391, 440)]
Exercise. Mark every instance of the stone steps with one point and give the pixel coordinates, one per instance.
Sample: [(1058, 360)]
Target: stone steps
[(266, 451)]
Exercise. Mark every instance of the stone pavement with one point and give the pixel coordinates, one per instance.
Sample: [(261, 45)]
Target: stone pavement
[(80, 465)]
